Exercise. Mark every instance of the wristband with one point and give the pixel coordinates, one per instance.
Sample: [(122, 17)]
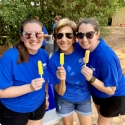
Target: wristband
[(92, 79)]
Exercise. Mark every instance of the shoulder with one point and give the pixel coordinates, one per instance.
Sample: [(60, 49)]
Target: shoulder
[(106, 53), (43, 53), (54, 59), (9, 58), (10, 54)]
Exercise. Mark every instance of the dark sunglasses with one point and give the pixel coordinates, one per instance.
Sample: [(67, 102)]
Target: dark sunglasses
[(68, 35), (29, 35), (89, 35)]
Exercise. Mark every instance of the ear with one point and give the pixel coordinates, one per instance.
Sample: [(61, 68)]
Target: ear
[(74, 39), (21, 36), (98, 34)]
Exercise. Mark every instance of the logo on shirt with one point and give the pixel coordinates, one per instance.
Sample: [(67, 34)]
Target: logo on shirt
[(44, 66), (93, 69), (81, 61)]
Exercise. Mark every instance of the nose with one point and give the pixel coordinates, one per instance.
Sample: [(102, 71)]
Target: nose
[(84, 38), (64, 37), (33, 37)]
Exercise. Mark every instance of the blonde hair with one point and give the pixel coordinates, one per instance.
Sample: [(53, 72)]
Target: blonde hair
[(65, 22)]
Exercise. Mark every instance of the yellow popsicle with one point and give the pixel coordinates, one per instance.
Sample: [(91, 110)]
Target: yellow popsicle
[(86, 58), (61, 58), (40, 68)]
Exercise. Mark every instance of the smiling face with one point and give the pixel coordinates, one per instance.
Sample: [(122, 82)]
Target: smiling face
[(88, 43), (31, 39), (65, 39)]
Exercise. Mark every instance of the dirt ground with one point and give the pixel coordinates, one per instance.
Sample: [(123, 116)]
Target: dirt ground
[(116, 40)]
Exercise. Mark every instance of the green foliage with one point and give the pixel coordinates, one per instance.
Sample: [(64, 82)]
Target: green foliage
[(12, 12)]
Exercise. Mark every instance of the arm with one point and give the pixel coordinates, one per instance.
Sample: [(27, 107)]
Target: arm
[(46, 35), (100, 86), (15, 91), (47, 96), (88, 73), (61, 87)]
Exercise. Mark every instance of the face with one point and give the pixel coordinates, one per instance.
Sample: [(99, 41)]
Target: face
[(65, 39), (87, 37), (32, 37)]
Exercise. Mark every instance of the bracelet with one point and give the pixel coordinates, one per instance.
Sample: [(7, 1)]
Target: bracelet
[(92, 79)]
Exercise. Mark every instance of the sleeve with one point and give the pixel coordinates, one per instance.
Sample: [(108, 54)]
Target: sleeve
[(108, 71), (52, 73), (6, 72)]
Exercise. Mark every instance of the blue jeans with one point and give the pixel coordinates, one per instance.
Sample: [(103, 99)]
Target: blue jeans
[(65, 108)]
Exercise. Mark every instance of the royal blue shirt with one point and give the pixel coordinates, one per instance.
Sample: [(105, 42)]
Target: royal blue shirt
[(13, 74), (45, 32), (106, 67), (76, 85)]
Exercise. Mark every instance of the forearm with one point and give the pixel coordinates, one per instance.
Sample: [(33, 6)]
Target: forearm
[(46, 89), (46, 35), (15, 91), (100, 86), (61, 87)]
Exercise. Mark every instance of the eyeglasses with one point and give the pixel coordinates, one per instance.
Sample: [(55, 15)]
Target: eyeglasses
[(68, 35), (89, 35), (29, 35)]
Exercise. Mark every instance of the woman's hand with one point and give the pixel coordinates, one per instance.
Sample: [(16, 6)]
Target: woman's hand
[(61, 73), (87, 72), (36, 84)]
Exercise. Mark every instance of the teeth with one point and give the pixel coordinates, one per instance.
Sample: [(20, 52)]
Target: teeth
[(85, 43), (64, 45), (34, 43)]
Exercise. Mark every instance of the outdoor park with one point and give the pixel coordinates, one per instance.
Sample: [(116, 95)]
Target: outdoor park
[(110, 14)]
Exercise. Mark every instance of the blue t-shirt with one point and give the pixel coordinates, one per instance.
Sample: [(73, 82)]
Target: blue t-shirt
[(13, 74), (45, 32), (106, 67), (76, 85), (54, 25)]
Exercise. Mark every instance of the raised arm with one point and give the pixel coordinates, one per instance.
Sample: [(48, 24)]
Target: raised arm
[(61, 87)]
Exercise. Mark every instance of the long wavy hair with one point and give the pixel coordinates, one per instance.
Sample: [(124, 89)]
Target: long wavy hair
[(23, 53)]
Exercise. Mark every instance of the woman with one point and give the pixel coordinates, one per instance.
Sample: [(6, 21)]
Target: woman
[(71, 90), (22, 91), (104, 72)]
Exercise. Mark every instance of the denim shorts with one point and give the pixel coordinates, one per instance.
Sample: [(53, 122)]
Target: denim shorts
[(65, 108)]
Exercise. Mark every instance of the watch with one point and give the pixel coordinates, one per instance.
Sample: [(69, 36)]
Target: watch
[(92, 79)]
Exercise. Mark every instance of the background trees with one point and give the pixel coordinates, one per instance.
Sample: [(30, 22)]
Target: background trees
[(12, 12)]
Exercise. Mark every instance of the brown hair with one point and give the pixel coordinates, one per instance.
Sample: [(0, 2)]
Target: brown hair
[(36, 17), (23, 53), (91, 21)]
